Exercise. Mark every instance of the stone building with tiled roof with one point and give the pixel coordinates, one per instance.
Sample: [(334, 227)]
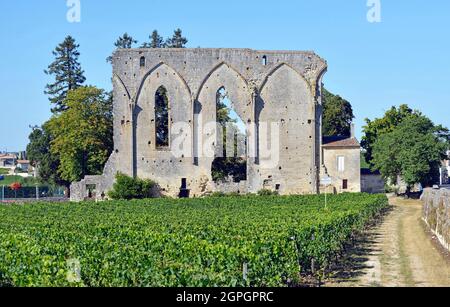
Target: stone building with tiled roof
[(8, 161), (342, 163)]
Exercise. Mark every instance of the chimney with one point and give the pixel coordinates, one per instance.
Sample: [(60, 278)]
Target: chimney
[(352, 131)]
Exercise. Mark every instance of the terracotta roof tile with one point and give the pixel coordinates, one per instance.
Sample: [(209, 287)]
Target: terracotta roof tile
[(336, 141)]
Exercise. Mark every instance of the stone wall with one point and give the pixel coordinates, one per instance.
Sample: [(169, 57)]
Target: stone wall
[(231, 187), (351, 171), (436, 213), (265, 87)]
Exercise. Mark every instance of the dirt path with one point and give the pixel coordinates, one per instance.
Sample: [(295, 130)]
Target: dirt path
[(398, 252)]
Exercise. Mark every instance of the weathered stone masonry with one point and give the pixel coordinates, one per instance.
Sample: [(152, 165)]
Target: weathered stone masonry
[(436, 214), (264, 86)]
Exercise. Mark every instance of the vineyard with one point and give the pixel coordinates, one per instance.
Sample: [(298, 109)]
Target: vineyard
[(228, 241)]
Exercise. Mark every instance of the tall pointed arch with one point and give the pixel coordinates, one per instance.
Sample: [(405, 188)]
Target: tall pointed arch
[(221, 76), (119, 85), (275, 69), (155, 69), (178, 97), (286, 103), (216, 68)]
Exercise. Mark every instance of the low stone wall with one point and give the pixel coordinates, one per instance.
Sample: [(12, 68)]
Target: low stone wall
[(436, 213), (231, 187)]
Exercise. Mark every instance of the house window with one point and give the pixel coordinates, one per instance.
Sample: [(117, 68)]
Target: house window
[(345, 184), (142, 62), (341, 164), (162, 118)]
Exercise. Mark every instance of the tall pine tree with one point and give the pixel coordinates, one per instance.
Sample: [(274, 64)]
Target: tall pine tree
[(177, 40), (67, 72), (156, 41), (123, 42)]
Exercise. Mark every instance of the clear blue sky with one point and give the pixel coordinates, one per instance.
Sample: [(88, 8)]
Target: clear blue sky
[(403, 59)]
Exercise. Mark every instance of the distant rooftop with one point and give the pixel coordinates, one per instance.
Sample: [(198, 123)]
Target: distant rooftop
[(339, 141), (8, 156)]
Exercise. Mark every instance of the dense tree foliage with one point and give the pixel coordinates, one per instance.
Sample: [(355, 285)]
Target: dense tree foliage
[(177, 40), (156, 41), (123, 42), (67, 72), (337, 115), (39, 153), (413, 151), (162, 117), (82, 135), (379, 126), (74, 142)]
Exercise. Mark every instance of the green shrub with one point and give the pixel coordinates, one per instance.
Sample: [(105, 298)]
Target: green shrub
[(265, 192), (127, 188)]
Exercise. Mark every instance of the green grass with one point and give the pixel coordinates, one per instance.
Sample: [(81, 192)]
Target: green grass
[(192, 242), (4, 171), (405, 266)]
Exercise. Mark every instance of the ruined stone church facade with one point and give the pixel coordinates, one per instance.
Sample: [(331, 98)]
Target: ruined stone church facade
[(265, 88)]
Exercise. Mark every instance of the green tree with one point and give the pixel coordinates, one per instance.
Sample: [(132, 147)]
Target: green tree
[(226, 166), (67, 72), (156, 41), (38, 152), (177, 40), (123, 42), (337, 115), (412, 151), (82, 135), (379, 126)]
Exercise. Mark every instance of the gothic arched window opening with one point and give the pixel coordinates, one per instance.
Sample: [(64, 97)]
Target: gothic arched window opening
[(162, 118), (230, 163)]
